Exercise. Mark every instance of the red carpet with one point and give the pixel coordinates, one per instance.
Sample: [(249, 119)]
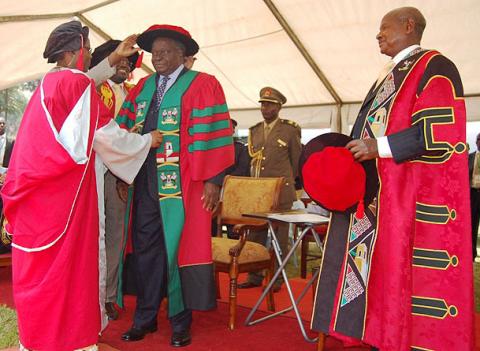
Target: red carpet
[(209, 329)]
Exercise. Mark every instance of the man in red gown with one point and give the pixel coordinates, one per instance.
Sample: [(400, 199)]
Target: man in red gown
[(400, 278)]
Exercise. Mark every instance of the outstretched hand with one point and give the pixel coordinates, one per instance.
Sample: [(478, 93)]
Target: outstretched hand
[(363, 149), (124, 49)]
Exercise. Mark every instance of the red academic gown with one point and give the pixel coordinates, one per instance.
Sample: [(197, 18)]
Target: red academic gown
[(51, 205), (401, 277)]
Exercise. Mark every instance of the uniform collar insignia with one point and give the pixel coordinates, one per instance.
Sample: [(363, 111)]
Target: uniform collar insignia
[(406, 65)]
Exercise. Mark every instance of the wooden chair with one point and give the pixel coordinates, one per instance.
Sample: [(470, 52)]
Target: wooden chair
[(5, 260), (244, 195)]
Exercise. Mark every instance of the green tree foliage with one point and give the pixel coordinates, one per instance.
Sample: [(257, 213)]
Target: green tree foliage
[(13, 102)]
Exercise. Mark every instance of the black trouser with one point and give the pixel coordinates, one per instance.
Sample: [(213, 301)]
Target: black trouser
[(475, 208), (151, 258)]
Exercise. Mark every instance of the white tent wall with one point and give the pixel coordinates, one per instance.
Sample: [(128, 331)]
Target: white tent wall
[(318, 53), (313, 117)]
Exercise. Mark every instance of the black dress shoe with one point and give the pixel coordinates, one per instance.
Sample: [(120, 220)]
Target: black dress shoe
[(112, 313), (180, 339), (248, 285), (135, 334)]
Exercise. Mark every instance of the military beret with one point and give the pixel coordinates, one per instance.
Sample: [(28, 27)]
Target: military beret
[(270, 94)]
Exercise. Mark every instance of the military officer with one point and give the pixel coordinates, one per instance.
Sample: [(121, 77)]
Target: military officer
[(274, 147)]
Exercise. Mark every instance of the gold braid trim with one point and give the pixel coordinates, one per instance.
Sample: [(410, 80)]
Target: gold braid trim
[(256, 162), (5, 238)]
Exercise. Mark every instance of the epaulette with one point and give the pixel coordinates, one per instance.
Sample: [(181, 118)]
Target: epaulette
[(292, 123), (256, 125)]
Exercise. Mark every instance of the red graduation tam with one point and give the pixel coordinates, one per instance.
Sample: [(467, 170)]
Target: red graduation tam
[(332, 178), (145, 40)]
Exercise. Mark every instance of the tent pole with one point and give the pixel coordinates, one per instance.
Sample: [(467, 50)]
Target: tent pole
[(306, 55), (23, 18), (336, 120), (105, 36)]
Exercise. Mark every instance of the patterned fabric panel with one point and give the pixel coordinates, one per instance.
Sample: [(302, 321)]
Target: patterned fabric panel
[(248, 195)]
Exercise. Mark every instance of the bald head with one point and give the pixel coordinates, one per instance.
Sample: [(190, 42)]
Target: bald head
[(406, 14), (399, 29)]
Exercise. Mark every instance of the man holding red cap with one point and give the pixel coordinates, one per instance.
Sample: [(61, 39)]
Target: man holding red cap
[(400, 278), (169, 206)]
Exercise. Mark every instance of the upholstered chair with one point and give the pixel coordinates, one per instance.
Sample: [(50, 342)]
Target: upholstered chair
[(243, 195)]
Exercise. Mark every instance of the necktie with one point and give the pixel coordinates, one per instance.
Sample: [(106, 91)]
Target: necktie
[(476, 172), (266, 131), (161, 91), (118, 91), (385, 70), (3, 140)]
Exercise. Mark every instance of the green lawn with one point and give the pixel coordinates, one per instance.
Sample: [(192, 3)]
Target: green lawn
[(8, 329)]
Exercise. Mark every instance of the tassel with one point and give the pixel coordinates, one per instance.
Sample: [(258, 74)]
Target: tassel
[(80, 55), (138, 64), (360, 210)]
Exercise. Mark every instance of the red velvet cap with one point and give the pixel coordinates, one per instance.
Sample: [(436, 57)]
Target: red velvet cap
[(145, 40), (333, 179)]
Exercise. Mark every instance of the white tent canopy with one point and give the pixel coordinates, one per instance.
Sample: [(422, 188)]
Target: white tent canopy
[(322, 55)]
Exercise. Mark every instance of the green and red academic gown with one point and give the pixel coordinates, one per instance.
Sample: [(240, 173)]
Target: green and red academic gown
[(401, 277), (197, 145)]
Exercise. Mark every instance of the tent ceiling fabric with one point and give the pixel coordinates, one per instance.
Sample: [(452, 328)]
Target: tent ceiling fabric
[(245, 46)]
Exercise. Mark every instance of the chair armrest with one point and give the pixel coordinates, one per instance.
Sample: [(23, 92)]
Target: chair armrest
[(242, 230)]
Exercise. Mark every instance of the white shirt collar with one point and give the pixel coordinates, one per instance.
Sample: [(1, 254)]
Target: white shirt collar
[(173, 76), (404, 53)]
